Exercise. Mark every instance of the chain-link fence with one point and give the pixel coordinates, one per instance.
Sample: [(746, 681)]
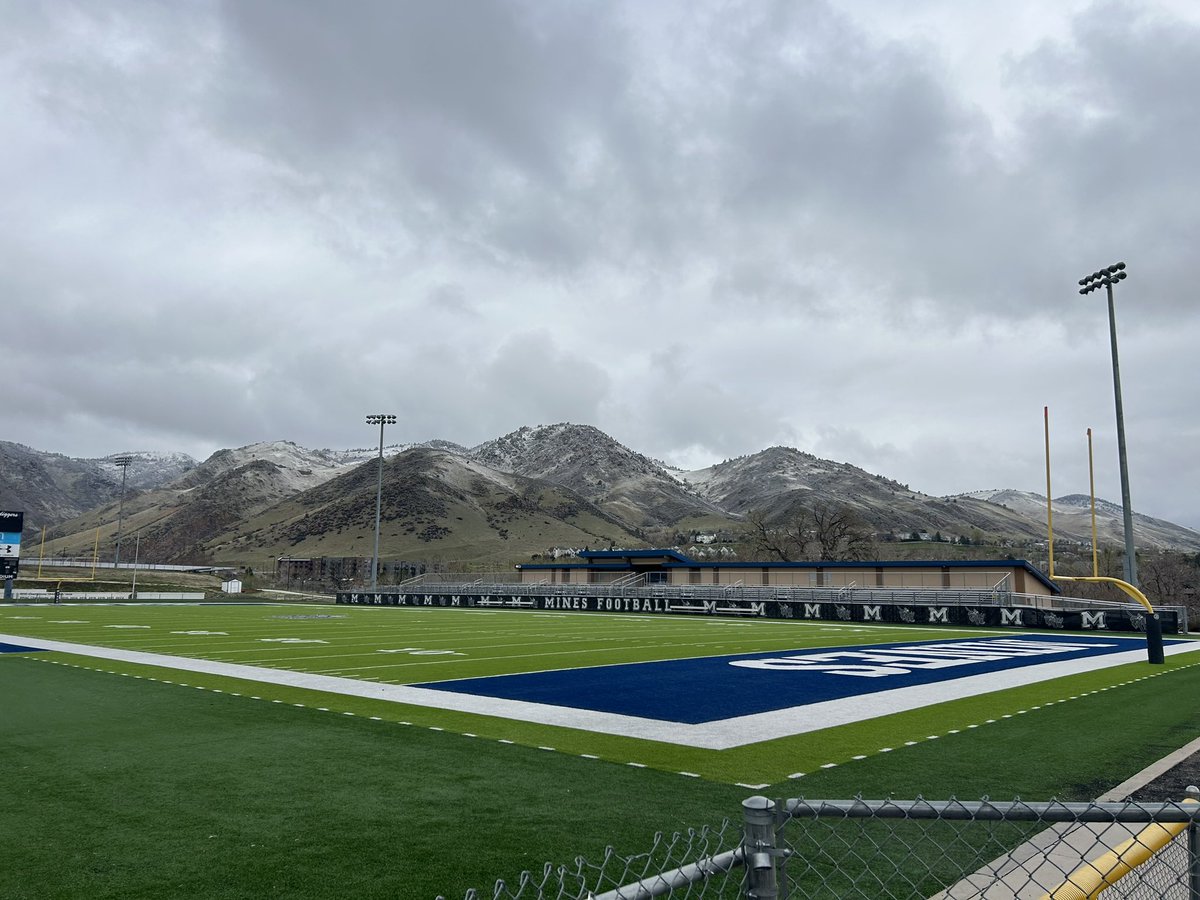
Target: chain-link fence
[(901, 849), (698, 863), (956, 850)]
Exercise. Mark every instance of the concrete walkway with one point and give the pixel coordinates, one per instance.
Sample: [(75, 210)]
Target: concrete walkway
[(1042, 864)]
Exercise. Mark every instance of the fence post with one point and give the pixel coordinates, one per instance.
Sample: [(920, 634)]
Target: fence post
[(1193, 842), (758, 844)]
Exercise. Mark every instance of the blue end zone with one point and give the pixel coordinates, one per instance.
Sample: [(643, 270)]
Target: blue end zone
[(13, 648), (694, 691)]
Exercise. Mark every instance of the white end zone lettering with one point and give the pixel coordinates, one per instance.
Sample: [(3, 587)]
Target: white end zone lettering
[(903, 660)]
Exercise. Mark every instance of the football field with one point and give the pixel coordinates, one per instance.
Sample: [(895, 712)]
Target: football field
[(377, 737), (746, 702)]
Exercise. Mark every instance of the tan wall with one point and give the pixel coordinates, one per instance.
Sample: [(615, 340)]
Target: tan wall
[(909, 578), (914, 578)]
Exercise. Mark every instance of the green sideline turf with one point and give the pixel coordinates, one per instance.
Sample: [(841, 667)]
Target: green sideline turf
[(122, 788), (119, 786)]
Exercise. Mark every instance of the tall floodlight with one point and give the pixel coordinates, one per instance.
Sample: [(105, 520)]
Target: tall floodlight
[(123, 462), (1107, 278), (379, 419)]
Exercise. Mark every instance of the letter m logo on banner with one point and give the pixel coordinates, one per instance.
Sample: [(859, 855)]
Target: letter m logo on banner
[(1011, 617), (872, 614), (939, 614), (1094, 620)]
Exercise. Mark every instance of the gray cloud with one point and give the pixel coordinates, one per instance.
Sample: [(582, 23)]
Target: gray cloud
[(703, 227)]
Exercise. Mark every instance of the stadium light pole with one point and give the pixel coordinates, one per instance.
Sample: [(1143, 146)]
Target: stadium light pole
[(1107, 278), (379, 419), (123, 462)]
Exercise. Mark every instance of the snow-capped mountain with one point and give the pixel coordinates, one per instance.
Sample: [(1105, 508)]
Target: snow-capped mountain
[(592, 464), (298, 468), (51, 487), (531, 485), (1073, 518), (759, 480), (147, 469), (774, 482)]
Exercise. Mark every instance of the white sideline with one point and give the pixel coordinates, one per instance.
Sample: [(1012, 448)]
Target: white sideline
[(718, 735)]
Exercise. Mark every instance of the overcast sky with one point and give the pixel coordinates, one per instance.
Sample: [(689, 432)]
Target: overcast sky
[(706, 228)]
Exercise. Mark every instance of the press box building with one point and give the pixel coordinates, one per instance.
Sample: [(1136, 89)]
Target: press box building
[(672, 568)]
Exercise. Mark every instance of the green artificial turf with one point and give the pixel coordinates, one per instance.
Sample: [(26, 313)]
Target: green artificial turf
[(125, 780), (356, 642), (119, 788)]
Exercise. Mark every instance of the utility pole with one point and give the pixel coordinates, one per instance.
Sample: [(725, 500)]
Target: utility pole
[(123, 462), (379, 419), (1108, 277)]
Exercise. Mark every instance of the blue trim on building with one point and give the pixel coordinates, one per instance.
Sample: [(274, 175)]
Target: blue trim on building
[(635, 554)]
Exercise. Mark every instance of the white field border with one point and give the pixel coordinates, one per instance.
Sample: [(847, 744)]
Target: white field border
[(718, 735)]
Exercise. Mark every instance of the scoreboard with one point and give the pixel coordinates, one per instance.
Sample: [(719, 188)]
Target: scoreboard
[(11, 526)]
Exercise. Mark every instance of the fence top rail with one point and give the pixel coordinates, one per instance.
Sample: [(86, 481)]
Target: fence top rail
[(771, 592), (987, 810)]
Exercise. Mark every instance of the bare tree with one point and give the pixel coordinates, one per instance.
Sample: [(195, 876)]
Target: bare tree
[(822, 531), (784, 541), (840, 533), (1166, 576), (1169, 577)]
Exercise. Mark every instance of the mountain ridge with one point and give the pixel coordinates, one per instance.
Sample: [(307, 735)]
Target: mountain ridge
[(554, 483)]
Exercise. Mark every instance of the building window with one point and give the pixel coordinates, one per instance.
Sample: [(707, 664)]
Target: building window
[(716, 576), (766, 575), (566, 576), (693, 576)]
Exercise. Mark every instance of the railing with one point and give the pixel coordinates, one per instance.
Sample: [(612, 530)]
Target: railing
[(64, 563), (41, 595), (628, 580), (928, 597), (446, 583), (458, 579)]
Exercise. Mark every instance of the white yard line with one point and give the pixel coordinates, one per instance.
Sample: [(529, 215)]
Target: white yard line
[(718, 735)]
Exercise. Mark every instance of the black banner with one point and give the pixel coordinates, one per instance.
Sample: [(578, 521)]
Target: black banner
[(1108, 619)]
